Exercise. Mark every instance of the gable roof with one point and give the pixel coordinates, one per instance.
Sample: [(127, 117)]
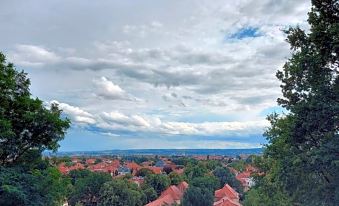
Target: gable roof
[(173, 194), (225, 201), (183, 186), (226, 191), (165, 200)]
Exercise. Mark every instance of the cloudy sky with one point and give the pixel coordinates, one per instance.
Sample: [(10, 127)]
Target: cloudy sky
[(154, 74)]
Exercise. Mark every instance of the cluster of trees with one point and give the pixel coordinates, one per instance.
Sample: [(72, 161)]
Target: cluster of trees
[(27, 128), (204, 178), (89, 188), (301, 161)]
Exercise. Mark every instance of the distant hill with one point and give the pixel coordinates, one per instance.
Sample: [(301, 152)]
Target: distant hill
[(167, 152)]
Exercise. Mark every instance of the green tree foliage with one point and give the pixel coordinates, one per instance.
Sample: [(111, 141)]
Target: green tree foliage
[(38, 187), (303, 144), (239, 165), (158, 182), (185, 161), (212, 164), (27, 128), (208, 182), (25, 123), (225, 176), (149, 192), (121, 193), (195, 196), (195, 170), (87, 187), (175, 178)]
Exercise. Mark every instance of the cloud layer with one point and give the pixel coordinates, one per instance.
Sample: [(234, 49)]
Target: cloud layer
[(199, 76)]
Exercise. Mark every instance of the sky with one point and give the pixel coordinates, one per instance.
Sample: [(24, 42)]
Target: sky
[(154, 74)]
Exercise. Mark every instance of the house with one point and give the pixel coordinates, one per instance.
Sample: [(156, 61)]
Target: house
[(226, 201), (245, 179), (172, 195), (65, 170), (226, 191)]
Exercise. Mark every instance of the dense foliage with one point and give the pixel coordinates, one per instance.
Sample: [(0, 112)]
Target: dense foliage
[(25, 123), (121, 193), (224, 176), (87, 186), (158, 182), (195, 196), (27, 128), (301, 160)]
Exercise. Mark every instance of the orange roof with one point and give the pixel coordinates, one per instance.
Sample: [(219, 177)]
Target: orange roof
[(243, 175), (90, 161), (173, 191), (183, 186), (226, 202), (133, 166), (155, 170), (226, 191), (165, 200), (173, 194)]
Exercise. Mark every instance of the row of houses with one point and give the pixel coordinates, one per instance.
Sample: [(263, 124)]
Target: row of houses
[(173, 195), (115, 168)]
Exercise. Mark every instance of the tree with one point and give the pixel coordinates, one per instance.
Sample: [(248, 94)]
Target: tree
[(40, 187), (175, 178), (303, 144), (195, 196), (209, 182), (87, 187), (25, 123), (120, 193), (158, 182), (193, 171), (225, 176), (149, 192)]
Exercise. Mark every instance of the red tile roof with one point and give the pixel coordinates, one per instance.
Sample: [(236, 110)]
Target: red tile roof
[(173, 194), (155, 170), (183, 186), (226, 191), (90, 161), (226, 202), (133, 165)]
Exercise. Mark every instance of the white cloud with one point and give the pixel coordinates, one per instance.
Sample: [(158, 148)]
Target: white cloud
[(108, 90), (32, 55), (151, 55), (76, 114)]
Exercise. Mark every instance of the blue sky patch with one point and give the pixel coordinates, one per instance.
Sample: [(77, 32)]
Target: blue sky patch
[(246, 32)]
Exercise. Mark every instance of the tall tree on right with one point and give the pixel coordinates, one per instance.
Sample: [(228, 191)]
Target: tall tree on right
[(303, 147)]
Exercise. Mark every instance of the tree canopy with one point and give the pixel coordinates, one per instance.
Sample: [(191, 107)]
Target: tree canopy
[(25, 123), (302, 154)]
